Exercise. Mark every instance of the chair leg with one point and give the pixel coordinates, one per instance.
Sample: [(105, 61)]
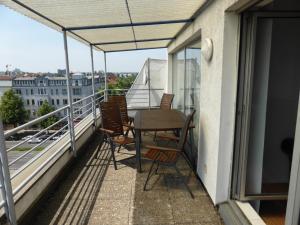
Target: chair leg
[(119, 148), (185, 184), (156, 171), (112, 146), (149, 174)]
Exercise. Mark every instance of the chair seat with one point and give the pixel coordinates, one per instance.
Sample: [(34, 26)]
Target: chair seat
[(123, 140), (165, 156)]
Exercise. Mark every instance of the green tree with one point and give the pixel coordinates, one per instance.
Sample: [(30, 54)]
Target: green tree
[(44, 109), (12, 109)]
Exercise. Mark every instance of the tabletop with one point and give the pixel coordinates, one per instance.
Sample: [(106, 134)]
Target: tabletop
[(156, 120)]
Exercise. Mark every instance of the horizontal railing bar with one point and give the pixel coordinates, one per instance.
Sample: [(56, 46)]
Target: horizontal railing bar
[(30, 162), (37, 120), (83, 113), (22, 142), (128, 24), (35, 147), (77, 110), (16, 191)]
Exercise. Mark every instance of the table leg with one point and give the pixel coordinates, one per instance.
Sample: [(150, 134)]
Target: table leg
[(138, 150)]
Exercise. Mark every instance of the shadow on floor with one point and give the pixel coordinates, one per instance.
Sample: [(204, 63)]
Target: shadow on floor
[(95, 193)]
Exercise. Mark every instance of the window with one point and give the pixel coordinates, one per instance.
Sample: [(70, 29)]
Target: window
[(26, 92), (56, 91), (51, 91), (64, 91), (31, 91), (52, 102), (28, 102), (57, 101), (65, 101), (32, 102), (76, 91), (186, 87)]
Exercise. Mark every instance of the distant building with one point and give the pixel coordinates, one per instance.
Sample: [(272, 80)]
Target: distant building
[(61, 72), (35, 90), (5, 83)]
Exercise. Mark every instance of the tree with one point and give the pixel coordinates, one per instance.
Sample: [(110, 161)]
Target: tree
[(44, 109), (12, 109)]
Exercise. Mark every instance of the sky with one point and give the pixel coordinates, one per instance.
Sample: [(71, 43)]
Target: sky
[(33, 47)]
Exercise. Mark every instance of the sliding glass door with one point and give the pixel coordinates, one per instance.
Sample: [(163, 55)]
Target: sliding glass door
[(267, 114), (186, 87)]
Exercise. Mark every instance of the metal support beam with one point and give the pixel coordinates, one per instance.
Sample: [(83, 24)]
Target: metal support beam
[(133, 41), (69, 85), (6, 189), (105, 77), (93, 86), (135, 49), (149, 87), (129, 24)]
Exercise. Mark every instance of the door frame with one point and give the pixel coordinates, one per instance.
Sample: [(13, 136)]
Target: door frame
[(243, 112)]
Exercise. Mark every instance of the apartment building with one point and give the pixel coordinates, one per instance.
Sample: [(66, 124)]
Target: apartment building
[(35, 90), (5, 83)]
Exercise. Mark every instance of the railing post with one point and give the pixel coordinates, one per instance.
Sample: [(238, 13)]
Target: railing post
[(6, 189), (93, 86), (105, 77), (149, 99), (69, 85)]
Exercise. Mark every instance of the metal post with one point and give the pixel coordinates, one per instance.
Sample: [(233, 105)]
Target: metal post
[(6, 188), (149, 92), (105, 74), (93, 86), (69, 85)]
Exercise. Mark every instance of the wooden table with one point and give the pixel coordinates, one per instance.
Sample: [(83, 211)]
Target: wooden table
[(155, 120)]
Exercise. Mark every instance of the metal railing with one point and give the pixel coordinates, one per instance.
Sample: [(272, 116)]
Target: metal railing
[(21, 154)]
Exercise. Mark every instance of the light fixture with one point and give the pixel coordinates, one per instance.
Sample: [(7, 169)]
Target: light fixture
[(207, 49)]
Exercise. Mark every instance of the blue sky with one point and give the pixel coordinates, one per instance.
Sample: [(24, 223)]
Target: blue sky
[(33, 47)]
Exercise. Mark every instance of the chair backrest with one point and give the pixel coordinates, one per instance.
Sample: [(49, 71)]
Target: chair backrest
[(111, 117), (166, 101), (185, 129), (121, 101)]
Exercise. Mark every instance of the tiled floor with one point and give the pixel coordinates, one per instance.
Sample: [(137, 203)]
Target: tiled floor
[(95, 193)]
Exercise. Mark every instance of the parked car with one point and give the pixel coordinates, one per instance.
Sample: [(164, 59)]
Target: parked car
[(34, 140), (44, 137), (27, 137)]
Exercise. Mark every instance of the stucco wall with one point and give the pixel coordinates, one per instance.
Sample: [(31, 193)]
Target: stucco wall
[(218, 94)]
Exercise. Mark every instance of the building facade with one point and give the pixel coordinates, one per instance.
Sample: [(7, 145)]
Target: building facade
[(5, 84), (35, 90)]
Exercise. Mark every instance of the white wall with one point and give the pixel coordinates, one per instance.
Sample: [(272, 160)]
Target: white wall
[(218, 94)]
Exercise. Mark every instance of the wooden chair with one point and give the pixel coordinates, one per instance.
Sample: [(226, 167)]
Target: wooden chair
[(127, 121), (169, 156), (112, 128), (165, 104), (166, 101)]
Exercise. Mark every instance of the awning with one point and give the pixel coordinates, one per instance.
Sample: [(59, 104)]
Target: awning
[(114, 25)]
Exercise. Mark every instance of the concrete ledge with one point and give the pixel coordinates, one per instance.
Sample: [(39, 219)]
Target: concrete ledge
[(239, 213), (35, 188)]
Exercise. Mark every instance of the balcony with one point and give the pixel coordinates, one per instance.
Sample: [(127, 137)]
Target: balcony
[(64, 182), (91, 191)]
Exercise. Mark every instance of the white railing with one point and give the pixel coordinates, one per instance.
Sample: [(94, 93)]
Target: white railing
[(41, 142)]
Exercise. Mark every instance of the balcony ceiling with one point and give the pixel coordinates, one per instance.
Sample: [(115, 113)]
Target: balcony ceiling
[(113, 25)]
